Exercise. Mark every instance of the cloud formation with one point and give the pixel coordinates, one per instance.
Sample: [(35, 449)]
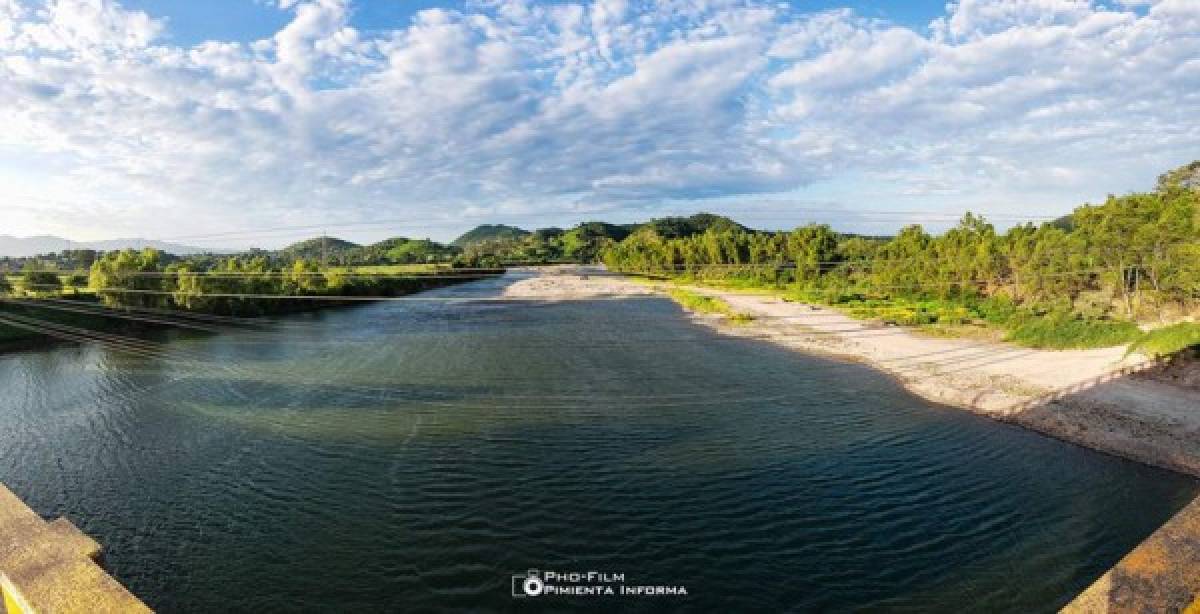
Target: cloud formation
[(514, 107)]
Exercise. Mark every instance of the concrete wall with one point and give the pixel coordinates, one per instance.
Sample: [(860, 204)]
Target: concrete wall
[(1161, 575), (51, 567)]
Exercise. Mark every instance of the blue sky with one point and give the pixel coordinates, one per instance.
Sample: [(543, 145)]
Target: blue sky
[(193, 22), (185, 119)]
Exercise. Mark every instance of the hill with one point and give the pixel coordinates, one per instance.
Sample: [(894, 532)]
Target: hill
[(401, 250), (585, 241), (316, 248), (489, 232), (680, 227)]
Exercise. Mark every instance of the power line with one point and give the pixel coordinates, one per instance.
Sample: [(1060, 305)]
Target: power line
[(178, 313), (147, 350), (920, 258), (481, 273), (36, 304), (994, 257), (332, 297), (425, 222)]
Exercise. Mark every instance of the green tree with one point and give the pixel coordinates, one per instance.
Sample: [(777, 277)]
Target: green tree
[(41, 281)]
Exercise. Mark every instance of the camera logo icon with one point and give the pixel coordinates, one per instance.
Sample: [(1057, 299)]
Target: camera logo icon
[(528, 584)]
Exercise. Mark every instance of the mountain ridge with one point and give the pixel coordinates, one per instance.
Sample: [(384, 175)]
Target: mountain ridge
[(35, 245)]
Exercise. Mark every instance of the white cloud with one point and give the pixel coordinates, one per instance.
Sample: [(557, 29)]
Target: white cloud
[(608, 105)]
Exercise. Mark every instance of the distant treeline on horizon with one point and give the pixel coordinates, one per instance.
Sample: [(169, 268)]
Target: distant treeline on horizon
[(1138, 245)]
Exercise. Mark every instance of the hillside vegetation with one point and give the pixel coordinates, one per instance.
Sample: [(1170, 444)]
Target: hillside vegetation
[(1112, 273), (1082, 281), (489, 232)]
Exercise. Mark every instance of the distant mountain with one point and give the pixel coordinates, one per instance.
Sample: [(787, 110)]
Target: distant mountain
[(20, 247), (489, 232)]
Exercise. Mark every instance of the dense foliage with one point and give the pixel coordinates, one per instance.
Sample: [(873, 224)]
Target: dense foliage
[(40, 281), (338, 252), (583, 243), (243, 286), (490, 232), (1134, 257), (1168, 340), (66, 260)]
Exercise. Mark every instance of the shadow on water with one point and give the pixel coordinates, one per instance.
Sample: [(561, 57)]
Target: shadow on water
[(413, 456), (1162, 574)]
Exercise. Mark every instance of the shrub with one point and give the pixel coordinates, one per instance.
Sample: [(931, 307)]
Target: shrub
[(1168, 340), (707, 304), (1061, 332), (41, 281), (1094, 304), (997, 309)]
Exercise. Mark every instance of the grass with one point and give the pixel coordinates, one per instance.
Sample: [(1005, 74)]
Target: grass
[(992, 319), (1065, 333), (700, 303), (1168, 340)]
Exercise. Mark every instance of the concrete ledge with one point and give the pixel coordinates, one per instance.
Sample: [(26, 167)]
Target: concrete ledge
[(1160, 575), (51, 567)]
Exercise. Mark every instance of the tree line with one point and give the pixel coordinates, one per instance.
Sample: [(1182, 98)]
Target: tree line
[(1132, 257), (245, 286)]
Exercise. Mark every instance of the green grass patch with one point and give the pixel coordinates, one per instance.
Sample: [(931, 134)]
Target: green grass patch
[(1168, 340), (995, 318), (700, 303), (1065, 333), (908, 312)]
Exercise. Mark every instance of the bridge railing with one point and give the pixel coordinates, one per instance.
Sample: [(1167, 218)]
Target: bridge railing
[(52, 567)]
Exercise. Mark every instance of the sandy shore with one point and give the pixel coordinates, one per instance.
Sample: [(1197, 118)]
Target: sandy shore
[(1097, 398)]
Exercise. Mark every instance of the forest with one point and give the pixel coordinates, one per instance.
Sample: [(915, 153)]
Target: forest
[(1087, 279), (1098, 276), (250, 286)]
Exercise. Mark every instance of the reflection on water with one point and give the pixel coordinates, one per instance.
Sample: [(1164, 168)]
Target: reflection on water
[(414, 455)]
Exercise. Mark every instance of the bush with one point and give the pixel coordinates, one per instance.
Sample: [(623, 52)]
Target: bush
[(997, 309), (41, 281), (1168, 340), (700, 303), (1061, 332), (1093, 305)]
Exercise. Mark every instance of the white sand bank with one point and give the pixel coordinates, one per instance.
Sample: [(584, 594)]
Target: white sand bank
[(1089, 397)]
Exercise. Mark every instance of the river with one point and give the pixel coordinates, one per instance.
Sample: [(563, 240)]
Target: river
[(415, 455)]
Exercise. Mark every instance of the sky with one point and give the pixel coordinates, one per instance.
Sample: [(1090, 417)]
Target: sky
[(235, 122)]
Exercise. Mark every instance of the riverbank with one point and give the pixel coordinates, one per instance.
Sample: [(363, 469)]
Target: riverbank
[(33, 322), (1102, 398)]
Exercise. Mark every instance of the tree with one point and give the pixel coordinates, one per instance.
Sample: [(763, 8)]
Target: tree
[(129, 278), (41, 281), (1186, 177)]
